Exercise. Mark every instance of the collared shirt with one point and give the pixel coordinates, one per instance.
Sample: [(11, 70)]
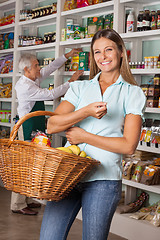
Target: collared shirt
[(122, 98), (29, 91)]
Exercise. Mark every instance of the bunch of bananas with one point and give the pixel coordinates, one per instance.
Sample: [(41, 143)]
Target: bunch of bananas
[(75, 150)]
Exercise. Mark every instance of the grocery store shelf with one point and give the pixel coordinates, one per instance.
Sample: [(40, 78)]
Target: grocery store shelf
[(146, 2), (4, 124), (75, 42), (6, 6), (148, 149), (90, 10), (6, 75), (150, 188), (144, 35), (5, 99), (7, 50), (152, 110), (50, 19), (9, 27), (70, 73), (132, 229), (37, 47), (145, 71)]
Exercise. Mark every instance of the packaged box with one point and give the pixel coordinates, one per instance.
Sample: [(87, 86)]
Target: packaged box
[(75, 63), (108, 21), (5, 115), (92, 26), (83, 61), (100, 23), (63, 34)]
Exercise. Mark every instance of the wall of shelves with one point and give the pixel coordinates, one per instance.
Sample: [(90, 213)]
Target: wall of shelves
[(121, 223)]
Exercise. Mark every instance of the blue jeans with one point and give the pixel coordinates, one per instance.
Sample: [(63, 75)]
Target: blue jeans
[(98, 200)]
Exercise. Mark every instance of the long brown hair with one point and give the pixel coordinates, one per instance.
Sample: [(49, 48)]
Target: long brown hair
[(124, 65)]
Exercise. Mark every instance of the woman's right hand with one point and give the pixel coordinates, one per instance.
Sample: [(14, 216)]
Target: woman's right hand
[(97, 109)]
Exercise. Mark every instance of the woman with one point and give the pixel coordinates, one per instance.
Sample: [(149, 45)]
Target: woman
[(103, 116)]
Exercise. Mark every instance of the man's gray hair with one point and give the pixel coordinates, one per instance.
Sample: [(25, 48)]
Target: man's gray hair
[(25, 61)]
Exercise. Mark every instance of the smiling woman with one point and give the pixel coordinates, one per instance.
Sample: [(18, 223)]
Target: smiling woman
[(111, 41), (93, 113)]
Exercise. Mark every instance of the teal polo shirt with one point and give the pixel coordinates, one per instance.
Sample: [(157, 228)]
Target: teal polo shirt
[(122, 98)]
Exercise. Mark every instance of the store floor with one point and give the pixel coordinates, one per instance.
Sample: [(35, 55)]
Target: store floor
[(19, 227)]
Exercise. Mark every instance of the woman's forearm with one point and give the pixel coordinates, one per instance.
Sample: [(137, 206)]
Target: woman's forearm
[(59, 123), (112, 144)]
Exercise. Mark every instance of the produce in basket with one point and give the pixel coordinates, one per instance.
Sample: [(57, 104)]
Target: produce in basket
[(75, 150), (65, 149), (42, 139)]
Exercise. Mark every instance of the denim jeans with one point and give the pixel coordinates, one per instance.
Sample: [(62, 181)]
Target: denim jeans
[(98, 200)]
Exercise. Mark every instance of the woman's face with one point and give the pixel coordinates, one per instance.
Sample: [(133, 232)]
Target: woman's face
[(106, 55)]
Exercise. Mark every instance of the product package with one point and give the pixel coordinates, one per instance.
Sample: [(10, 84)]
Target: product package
[(82, 3), (83, 61), (92, 26), (75, 62), (151, 175), (69, 5), (42, 139)]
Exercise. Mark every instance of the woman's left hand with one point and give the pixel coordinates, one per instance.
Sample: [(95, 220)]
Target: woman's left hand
[(75, 135)]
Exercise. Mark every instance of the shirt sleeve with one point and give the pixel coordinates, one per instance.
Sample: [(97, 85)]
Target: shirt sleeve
[(135, 102), (73, 93), (32, 92), (52, 67)]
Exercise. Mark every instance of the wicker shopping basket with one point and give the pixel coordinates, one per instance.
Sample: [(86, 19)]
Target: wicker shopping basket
[(38, 171)]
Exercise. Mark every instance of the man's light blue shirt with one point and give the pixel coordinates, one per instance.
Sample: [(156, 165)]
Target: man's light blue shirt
[(122, 98)]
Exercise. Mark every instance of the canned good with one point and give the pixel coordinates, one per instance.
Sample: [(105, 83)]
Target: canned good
[(70, 35), (70, 26), (63, 34), (46, 38), (51, 86)]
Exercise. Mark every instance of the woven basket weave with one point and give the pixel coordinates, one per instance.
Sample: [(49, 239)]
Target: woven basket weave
[(38, 171)]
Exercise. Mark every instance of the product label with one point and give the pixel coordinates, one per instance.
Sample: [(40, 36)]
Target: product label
[(139, 24), (130, 26), (146, 23)]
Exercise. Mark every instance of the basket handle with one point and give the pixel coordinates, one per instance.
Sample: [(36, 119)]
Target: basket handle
[(23, 119)]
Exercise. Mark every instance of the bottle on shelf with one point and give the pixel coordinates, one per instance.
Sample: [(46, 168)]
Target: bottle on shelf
[(158, 19), (146, 24), (153, 20), (140, 20), (130, 22)]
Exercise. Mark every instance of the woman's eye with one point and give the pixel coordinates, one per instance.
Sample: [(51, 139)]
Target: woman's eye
[(108, 49), (96, 52)]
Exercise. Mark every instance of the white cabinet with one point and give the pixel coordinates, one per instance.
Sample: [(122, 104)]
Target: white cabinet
[(121, 225)]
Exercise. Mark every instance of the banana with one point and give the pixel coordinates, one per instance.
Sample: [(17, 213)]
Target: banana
[(75, 149), (82, 154), (65, 149), (89, 157)]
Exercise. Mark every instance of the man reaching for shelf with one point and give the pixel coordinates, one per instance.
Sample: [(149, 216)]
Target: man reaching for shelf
[(31, 98)]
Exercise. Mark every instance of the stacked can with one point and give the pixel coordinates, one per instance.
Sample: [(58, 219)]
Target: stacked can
[(70, 30)]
